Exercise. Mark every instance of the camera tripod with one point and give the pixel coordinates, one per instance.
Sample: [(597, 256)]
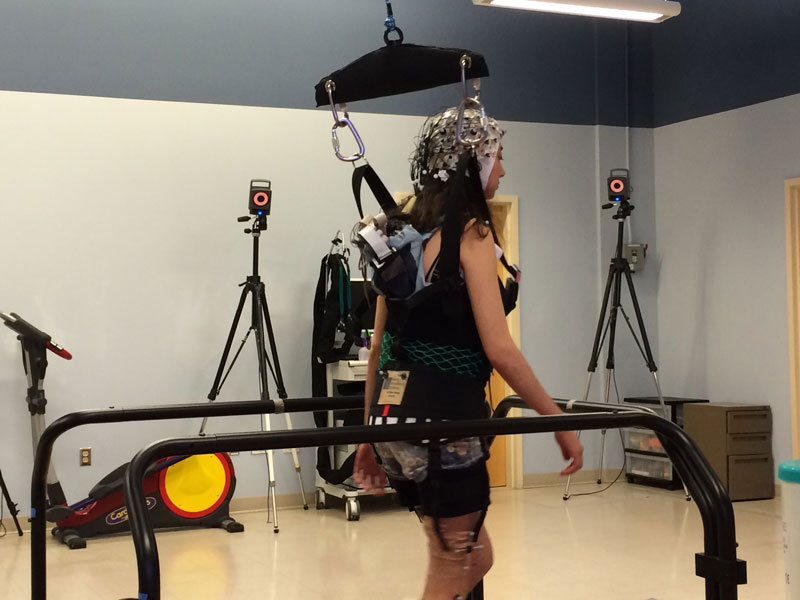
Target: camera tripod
[(12, 507), (259, 318), (618, 269)]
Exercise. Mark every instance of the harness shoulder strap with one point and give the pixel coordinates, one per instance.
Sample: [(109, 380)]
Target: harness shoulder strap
[(385, 200)]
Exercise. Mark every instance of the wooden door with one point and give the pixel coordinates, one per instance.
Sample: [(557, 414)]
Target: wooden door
[(504, 216)]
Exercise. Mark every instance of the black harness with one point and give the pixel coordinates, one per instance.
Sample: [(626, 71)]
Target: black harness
[(430, 393), (467, 181)]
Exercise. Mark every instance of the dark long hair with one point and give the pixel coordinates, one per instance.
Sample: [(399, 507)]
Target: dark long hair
[(429, 203)]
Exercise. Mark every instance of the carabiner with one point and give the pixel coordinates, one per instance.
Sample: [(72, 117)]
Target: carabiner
[(345, 122), (483, 132), (471, 102), (330, 86)]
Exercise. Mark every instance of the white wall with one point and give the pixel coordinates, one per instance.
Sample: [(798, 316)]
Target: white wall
[(119, 238), (722, 317)]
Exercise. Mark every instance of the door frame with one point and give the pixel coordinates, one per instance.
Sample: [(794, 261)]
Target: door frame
[(792, 187), (514, 475)]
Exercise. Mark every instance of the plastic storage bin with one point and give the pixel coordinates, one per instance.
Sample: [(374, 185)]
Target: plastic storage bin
[(789, 474), (644, 440), (652, 467)]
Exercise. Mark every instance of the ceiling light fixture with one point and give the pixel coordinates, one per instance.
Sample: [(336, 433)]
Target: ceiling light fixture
[(650, 11)]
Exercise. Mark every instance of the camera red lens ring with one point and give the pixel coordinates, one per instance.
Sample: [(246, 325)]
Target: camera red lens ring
[(261, 199)]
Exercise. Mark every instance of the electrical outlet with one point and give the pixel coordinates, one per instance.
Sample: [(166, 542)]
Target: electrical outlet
[(86, 457)]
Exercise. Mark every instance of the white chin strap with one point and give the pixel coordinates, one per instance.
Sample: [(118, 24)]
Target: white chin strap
[(487, 164)]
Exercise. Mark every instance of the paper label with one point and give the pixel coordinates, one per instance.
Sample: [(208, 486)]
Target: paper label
[(393, 388)]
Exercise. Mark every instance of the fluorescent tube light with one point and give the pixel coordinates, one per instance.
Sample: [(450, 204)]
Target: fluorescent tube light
[(651, 11)]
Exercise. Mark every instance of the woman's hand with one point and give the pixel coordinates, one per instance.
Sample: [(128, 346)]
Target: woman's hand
[(367, 473), (571, 449)]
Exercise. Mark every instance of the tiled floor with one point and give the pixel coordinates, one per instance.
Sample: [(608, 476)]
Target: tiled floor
[(629, 543)]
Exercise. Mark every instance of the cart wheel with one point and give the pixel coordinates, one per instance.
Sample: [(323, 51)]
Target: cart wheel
[(351, 509), (321, 502)]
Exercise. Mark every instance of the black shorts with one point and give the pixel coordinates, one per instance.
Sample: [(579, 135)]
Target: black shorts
[(447, 492)]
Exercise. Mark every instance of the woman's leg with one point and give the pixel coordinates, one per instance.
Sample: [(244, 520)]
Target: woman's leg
[(454, 571)]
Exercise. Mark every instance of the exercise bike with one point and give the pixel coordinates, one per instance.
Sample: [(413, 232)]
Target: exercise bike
[(181, 491)]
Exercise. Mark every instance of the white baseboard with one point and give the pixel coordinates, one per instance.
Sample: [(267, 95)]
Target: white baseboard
[(260, 502), (11, 529), (533, 480)]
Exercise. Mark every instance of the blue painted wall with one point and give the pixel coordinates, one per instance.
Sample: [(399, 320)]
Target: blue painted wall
[(271, 53), (720, 55), (545, 68)]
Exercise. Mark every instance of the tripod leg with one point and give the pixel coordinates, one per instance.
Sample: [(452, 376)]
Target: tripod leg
[(267, 426), (651, 364), (585, 396), (297, 464), (600, 330), (225, 377), (592, 367), (215, 387), (12, 507), (273, 348), (271, 469), (218, 380), (258, 325), (609, 375)]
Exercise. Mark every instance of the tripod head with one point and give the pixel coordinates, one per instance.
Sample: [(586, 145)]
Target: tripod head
[(259, 224), (624, 209)]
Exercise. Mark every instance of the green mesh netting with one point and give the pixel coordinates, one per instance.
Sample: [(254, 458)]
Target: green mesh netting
[(445, 358)]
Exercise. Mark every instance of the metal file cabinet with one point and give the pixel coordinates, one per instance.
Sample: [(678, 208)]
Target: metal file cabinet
[(737, 441)]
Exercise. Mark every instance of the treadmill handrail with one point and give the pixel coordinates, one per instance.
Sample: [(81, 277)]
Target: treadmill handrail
[(44, 450), (718, 564)]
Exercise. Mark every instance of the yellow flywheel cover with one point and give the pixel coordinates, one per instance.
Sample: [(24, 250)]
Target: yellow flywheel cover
[(197, 485)]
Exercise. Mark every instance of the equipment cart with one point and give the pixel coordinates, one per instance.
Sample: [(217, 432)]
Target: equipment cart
[(343, 378)]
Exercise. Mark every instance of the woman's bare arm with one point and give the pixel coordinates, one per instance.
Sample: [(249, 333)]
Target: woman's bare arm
[(366, 471), (374, 353), (480, 272)]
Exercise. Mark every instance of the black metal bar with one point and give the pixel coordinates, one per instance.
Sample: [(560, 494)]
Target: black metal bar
[(44, 450), (718, 562)]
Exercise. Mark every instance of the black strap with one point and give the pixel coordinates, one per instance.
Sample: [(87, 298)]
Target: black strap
[(387, 203), (435, 477)]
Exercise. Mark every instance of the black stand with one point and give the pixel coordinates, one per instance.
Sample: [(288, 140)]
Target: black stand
[(12, 507), (261, 324), (618, 269), (35, 344)]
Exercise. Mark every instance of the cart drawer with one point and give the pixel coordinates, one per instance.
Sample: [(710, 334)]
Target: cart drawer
[(749, 421), (749, 443), (653, 467), (751, 477), (642, 439)]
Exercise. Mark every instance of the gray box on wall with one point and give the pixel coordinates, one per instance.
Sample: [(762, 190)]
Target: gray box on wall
[(737, 441)]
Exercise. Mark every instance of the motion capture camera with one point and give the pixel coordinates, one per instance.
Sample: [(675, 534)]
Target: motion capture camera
[(619, 189), (260, 197)]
